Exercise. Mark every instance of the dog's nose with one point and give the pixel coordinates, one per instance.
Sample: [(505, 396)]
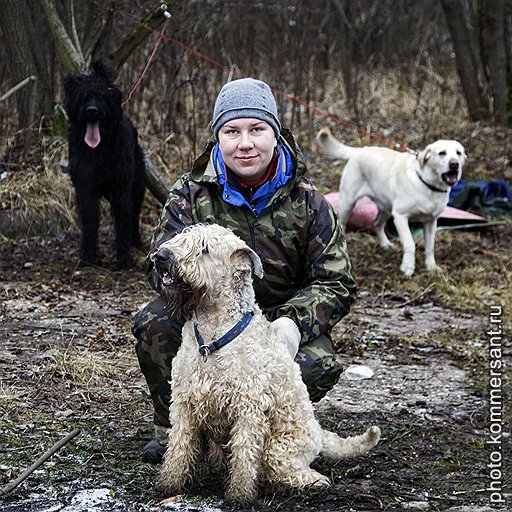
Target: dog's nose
[(454, 166), (91, 110), (163, 255)]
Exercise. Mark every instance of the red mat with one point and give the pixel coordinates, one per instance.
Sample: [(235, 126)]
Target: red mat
[(365, 212)]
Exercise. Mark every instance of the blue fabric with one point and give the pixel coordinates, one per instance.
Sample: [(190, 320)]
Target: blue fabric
[(490, 190), (488, 198), (263, 195)]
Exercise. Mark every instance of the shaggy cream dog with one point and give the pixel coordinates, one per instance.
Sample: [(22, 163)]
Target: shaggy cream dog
[(246, 398), (402, 185)]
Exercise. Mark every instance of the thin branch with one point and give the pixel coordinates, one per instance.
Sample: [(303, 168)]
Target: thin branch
[(55, 448), (417, 297), (11, 91), (72, 25)]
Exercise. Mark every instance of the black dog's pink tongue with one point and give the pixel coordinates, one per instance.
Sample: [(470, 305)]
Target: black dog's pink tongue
[(92, 134)]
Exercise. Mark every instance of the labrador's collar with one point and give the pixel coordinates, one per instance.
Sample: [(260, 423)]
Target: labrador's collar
[(428, 185)]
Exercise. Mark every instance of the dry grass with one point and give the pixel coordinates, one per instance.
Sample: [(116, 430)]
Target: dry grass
[(94, 373), (476, 287), (39, 199), (411, 112), (9, 399), (473, 268), (83, 368)]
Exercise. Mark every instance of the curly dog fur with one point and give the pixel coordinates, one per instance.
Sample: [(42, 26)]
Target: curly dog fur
[(105, 160), (247, 399)]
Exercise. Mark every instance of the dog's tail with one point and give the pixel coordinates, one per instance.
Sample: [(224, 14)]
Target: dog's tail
[(336, 447), (332, 147)]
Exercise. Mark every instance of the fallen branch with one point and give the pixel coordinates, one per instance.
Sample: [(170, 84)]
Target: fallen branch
[(418, 297), (155, 181), (11, 91), (55, 448)]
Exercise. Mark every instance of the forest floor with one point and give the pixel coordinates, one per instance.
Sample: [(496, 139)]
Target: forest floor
[(67, 362)]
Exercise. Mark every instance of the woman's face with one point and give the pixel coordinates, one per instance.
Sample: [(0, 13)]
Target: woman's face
[(247, 146)]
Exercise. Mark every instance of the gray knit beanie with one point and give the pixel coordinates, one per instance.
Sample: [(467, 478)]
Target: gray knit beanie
[(245, 98)]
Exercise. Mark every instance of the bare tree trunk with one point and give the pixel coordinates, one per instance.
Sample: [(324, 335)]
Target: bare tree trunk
[(494, 53), (29, 54), (344, 7), (465, 59)]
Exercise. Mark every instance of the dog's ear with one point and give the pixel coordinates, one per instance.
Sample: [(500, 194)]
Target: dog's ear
[(463, 155), (247, 254), (117, 96), (102, 70), (424, 156), (70, 84), (257, 267)]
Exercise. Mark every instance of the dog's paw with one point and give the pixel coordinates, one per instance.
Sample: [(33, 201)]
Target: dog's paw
[(437, 270), (407, 269), (241, 497), (321, 483), (170, 487), (433, 267), (303, 479), (388, 245), (125, 263), (89, 262)]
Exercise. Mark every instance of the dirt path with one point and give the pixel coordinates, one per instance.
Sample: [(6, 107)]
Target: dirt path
[(66, 361)]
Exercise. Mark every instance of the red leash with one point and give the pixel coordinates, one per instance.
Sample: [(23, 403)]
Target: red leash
[(161, 36), (204, 57)]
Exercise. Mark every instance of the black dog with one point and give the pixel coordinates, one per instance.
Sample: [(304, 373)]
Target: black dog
[(105, 160)]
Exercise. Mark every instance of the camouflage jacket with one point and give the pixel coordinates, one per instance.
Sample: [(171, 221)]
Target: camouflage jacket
[(307, 271)]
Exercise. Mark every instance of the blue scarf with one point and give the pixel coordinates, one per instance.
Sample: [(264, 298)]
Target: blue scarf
[(264, 193)]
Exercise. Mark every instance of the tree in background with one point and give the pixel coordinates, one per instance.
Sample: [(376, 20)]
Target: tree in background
[(480, 41)]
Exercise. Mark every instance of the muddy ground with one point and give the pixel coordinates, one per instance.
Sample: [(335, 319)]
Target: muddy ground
[(67, 361)]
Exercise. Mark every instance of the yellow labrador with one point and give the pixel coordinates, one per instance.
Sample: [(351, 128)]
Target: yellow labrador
[(405, 186)]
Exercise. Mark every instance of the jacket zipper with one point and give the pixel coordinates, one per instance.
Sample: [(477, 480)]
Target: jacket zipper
[(250, 224)]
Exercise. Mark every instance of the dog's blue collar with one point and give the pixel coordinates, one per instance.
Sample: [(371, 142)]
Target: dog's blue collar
[(205, 350), (428, 185)]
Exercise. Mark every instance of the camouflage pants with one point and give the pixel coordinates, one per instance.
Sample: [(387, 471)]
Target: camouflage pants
[(158, 339)]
